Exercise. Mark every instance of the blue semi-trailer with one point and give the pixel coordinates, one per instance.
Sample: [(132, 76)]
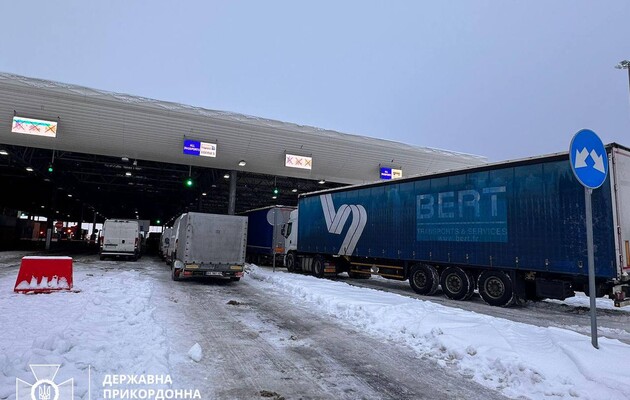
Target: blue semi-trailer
[(513, 230), (262, 238)]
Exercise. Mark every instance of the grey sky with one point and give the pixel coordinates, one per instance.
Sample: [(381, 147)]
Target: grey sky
[(504, 79)]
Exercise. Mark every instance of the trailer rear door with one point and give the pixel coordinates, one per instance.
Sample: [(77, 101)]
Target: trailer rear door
[(621, 189)]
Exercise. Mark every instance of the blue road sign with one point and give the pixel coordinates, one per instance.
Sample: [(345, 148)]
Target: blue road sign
[(589, 160)]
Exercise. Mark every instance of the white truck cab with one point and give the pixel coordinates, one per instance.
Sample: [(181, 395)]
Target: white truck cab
[(290, 231)]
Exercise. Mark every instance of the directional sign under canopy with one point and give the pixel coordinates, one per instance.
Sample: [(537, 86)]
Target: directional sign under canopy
[(589, 160)]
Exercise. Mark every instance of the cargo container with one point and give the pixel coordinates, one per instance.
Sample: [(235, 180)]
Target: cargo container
[(208, 245), (512, 230), (264, 234)]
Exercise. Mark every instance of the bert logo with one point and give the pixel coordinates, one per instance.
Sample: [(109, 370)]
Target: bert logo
[(44, 387)]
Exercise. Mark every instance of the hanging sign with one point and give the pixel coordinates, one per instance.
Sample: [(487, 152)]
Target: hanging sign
[(197, 148), (30, 126), (294, 161)]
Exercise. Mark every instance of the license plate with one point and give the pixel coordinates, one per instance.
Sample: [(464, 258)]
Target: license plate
[(213, 273)]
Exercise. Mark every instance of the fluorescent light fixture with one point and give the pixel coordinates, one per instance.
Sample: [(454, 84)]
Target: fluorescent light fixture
[(226, 176), (125, 159), (204, 194), (242, 163), (127, 173), (29, 169), (294, 190), (274, 197), (321, 181), (30, 126), (3, 152), (69, 195)]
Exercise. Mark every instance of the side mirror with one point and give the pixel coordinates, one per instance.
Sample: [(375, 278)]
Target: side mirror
[(282, 232)]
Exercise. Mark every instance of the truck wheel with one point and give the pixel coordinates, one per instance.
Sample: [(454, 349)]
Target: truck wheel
[(424, 279), (496, 289), (290, 262), (456, 283), (175, 273), (318, 267)]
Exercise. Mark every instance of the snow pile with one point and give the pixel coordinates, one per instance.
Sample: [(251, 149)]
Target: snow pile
[(515, 358), (195, 353), (108, 325)]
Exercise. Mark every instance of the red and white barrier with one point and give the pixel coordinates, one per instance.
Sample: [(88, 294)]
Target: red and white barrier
[(44, 275)]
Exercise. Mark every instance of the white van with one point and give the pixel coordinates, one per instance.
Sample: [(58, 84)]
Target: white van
[(121, 237), (165, 239)]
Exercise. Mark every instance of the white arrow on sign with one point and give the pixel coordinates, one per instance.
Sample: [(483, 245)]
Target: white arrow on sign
[(599, 162), (580, 158)]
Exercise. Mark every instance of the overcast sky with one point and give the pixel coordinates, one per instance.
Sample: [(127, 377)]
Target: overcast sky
[(503, 79)]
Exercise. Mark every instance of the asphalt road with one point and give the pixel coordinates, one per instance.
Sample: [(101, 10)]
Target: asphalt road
[(260, 344)]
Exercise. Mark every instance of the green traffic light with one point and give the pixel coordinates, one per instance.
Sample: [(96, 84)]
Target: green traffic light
[(50, 168), (275, 191), (189, 182), (158, 222)]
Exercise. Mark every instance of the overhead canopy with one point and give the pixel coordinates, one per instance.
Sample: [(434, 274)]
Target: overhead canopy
[(115, 126)]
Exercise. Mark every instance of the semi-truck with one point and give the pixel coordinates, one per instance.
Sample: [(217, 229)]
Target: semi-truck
[(513, 230), (208, 245), (121, 238), (263, 239)]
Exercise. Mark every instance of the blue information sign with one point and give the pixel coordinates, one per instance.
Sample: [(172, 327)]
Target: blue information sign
[(386, 173), (192, 147), (589, 160)]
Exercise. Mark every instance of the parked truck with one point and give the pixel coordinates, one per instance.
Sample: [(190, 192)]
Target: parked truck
[(121, 238), (512, 230), (264, 235), (165, 239), (208, 245)]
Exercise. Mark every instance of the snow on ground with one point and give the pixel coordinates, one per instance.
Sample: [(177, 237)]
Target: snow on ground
[(108, 324), (515, 358)]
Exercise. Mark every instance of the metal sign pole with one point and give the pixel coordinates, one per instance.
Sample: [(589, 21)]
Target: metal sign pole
[(591, 264), (589, 162)]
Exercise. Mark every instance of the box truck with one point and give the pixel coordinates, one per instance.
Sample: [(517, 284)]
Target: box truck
[(165, 239), (264, 235), (120, 238), (208, 245), (511, 230)]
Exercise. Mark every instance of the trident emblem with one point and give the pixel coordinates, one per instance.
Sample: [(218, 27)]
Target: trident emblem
[(44, 392), (44, 387)]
